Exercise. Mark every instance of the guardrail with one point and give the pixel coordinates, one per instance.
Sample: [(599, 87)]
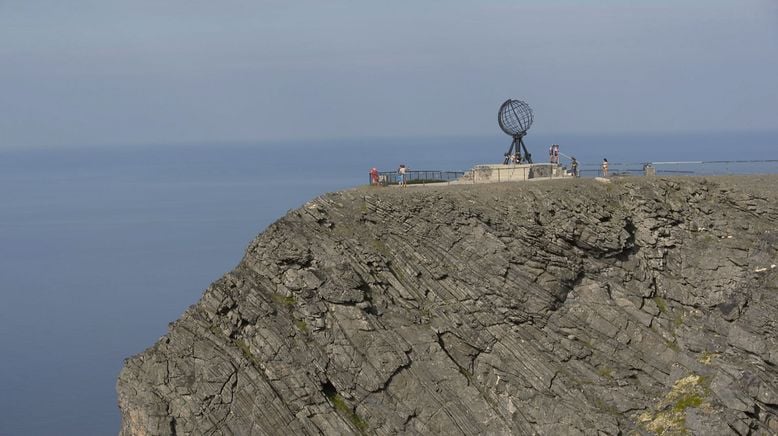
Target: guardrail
[(417, 177), (702, 168), (766, 166)]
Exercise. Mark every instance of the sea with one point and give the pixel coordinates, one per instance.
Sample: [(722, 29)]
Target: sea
[(102, 246)]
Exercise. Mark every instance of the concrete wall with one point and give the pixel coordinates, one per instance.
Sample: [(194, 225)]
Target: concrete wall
[(512, 173)]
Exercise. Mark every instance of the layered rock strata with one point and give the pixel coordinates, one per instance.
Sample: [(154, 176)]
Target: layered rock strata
[(644, 306)]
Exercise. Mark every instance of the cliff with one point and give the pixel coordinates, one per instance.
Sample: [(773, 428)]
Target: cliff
[(647, 305)]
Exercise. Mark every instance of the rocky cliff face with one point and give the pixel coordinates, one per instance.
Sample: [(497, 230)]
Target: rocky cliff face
[(561, 307)]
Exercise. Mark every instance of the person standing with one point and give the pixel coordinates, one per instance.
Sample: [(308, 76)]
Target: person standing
[(554, 154), (574, 167), (401, 172), (604, 167)]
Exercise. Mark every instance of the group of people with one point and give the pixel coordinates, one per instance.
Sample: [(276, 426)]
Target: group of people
[(574, 167), (517, 158), (603, 167), (553, 154), (553, 157), (375, 178)]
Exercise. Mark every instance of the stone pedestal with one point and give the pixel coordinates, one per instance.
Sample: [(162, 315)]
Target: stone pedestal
[(492, 173)]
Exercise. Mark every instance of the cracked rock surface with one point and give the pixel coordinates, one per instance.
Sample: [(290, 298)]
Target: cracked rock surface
[(643, 306)]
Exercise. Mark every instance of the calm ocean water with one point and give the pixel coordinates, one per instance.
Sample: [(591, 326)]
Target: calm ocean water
[(101, 247)]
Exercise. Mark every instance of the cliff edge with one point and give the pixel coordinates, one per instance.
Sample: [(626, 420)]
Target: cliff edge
[(646, 305)]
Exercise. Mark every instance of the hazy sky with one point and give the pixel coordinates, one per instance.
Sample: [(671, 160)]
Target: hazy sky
[(138, 72)]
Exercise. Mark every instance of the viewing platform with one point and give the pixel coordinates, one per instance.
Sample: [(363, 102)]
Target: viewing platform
[(493, 173), (488, 173)]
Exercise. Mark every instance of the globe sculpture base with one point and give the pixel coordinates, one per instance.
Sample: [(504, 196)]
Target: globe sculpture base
[(495, 173), (514, 154)]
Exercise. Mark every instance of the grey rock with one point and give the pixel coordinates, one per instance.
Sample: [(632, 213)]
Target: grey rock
[(555, 307)]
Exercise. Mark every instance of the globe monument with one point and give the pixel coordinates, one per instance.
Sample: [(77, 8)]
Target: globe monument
[(515, 118)]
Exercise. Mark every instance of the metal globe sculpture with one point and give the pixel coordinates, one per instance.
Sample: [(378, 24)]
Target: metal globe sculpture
[(515, 118)]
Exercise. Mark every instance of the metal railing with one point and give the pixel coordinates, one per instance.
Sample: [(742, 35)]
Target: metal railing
[(486, 174), (417, 177), (717, 167)]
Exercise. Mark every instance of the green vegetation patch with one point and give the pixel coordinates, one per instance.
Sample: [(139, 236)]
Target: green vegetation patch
[(678, 320), (707, 357), (343, 408), (215, 330), (673, 345), (669, 415), (246, 350), (301, 325), (380, 247), (605, 372), (687, 401), (283, 299), (661, 304)]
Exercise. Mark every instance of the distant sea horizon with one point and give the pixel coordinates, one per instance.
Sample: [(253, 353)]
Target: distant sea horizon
[(583, 142), (102, 247)]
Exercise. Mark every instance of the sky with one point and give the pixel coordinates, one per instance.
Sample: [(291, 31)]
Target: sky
[(124, 73)]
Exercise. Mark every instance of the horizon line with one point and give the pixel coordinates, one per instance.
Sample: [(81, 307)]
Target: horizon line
[(353, 138)]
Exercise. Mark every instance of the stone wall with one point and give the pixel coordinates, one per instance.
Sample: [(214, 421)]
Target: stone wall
[(512, 173)]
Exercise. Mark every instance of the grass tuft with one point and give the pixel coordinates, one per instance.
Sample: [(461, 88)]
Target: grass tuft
[(246, 350), (283, 299), (343, 408), (661, 304), (605, 372)]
